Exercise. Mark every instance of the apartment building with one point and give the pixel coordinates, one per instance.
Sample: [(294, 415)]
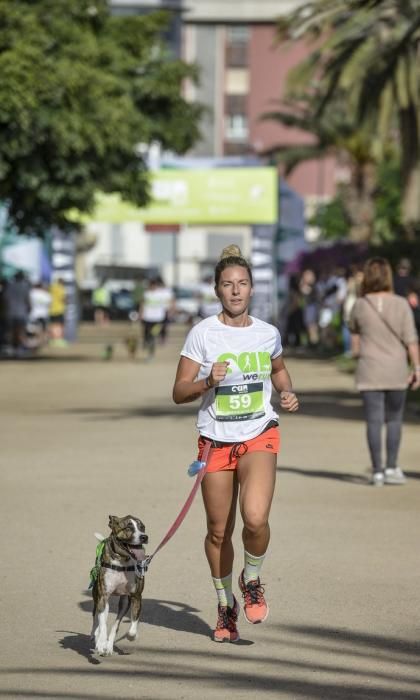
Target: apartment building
[(243, 75)]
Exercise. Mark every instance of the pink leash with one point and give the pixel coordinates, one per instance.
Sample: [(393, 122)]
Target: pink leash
[(198, 468)]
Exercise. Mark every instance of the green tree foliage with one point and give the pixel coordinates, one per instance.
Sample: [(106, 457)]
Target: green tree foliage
[(369, 50), (334, 221), (334, 134), (79, 91)]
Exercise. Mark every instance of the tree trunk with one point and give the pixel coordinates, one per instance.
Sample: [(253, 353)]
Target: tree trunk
[(411, 202), (358, 197), (410, 167)]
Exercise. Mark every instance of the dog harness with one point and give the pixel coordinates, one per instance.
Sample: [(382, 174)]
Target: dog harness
[(117, 568), (104, 565)]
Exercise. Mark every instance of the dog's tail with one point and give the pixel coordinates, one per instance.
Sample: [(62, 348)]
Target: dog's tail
[(99, 537)]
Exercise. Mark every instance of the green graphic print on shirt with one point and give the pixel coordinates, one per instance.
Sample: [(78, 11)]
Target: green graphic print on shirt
[(243, 401)]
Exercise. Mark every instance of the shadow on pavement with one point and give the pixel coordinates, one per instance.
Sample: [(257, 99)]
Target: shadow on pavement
[(342, 664), (99, 413), (411, 475), (337, 404), (358, 479), (365, 643), (82, 645), (163, 613)]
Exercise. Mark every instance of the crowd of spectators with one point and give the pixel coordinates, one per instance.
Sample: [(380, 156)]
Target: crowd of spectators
[(30, 315), (318, 306)]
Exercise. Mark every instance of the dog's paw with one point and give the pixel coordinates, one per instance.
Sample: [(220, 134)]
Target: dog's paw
[(109, 649), (104, 649)]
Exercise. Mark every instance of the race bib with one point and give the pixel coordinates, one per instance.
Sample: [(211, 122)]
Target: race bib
[(239, 402)]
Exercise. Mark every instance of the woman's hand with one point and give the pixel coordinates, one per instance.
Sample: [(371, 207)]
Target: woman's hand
[(289, 401), (217, 374), (414, 379)]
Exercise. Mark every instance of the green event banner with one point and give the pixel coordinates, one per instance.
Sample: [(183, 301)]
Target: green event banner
[(214, 196)]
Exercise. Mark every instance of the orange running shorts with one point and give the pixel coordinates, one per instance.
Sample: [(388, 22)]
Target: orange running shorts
[(226, 456)]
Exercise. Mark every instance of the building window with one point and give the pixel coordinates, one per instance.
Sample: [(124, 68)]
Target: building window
[(237, 81), (236, 127), (236, 104), (237, 41), (237, 34), (239, 148)]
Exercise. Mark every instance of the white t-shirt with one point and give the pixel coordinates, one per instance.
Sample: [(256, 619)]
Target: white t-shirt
[(240, 407), (40, 301), (156, 303)]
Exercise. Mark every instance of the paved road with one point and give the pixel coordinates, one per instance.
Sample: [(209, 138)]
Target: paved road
[(82, 438)]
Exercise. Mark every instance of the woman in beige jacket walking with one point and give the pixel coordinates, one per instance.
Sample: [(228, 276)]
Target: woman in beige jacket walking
[(384, 334)]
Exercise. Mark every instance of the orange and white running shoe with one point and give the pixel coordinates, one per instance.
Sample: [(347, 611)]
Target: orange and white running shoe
[(255, 607), (226, 629)]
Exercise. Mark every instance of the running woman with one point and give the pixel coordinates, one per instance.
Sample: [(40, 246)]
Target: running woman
[(231, 361)]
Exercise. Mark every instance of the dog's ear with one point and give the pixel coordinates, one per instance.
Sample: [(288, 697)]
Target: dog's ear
[(113, 520)]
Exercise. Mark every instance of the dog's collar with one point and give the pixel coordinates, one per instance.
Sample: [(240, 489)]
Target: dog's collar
[(117, 568)]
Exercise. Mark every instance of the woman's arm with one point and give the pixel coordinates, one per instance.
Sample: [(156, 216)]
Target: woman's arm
[(355, 345), (282, 383), (413, 353), (186, 388)]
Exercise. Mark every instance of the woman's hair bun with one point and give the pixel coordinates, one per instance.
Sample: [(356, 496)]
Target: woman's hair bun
[(231, 251)]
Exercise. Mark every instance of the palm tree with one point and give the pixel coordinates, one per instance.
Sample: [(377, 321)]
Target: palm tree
[(335, 134), (370, 50)]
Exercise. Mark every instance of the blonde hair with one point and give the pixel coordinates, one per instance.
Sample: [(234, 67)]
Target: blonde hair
[(231, 256), (231, 251)]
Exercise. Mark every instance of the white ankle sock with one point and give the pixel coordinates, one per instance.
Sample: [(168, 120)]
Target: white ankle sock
[(252, 566), (223, 588)]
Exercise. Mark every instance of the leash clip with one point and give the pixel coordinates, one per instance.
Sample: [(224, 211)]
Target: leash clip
[(142, 567)]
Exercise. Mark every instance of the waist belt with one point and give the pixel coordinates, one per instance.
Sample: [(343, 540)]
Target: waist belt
[(218, 443)]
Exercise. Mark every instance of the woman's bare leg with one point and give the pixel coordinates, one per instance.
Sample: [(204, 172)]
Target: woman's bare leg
[(257, 477), (220, 492)]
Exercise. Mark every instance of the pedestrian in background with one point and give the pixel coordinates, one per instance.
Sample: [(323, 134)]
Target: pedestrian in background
[(101, 300), (167, 297), (57, 312), (383, 331), (153, 313), (40, 300), (403, 279), (17, 306), (309, 295), (294, 320)]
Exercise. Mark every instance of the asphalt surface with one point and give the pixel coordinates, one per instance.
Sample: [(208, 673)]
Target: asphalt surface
[(82, 438)]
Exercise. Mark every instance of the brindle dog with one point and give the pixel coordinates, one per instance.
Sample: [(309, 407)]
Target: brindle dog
[(117, 575)]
